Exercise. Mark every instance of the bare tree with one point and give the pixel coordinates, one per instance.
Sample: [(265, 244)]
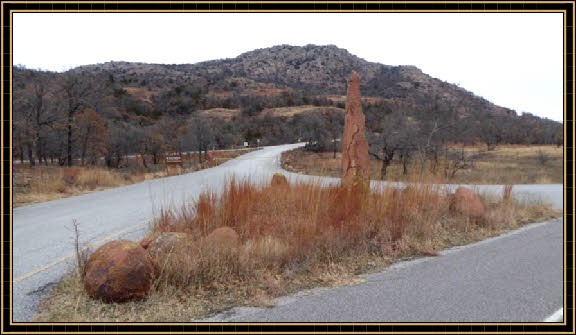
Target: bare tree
[(91, 131), (334, 125), (491, 132), (426, 143), (391, 135), (76, 89), (34, 112), (313, 130), (200, 135)]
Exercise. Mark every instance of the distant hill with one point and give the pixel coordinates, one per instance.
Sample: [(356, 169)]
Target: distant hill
[(321, 70), (278, 94)]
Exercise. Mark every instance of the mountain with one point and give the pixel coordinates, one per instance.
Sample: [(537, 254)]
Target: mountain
[(321, 70), (277, 95)]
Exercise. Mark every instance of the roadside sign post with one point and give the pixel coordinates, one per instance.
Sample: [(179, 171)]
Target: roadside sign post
[(172, 159)]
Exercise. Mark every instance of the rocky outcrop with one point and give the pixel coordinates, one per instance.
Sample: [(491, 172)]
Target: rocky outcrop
[(355, 157), (119, 271)]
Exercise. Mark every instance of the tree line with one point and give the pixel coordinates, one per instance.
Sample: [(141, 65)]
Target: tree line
[(87, 118)]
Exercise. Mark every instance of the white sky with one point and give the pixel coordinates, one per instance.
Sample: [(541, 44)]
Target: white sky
[(512, 59)]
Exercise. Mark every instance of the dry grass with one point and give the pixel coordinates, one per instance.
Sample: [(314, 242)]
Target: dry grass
[(292, 237), (285, 112), (49, 182), (511, 164), (289, 112), (221, 113), (342, 99), (45, 183)]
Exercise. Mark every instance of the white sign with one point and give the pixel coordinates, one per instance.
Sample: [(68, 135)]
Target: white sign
[(245, 144)]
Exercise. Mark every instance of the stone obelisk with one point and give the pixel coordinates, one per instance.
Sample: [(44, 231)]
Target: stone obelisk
[(355, 157)]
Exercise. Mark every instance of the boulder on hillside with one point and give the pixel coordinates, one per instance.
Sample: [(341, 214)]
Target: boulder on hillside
[(468, 203), (119, 271)]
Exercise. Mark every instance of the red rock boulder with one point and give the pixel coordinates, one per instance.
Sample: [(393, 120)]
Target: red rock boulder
[(279, 179), (119, 271), (224, 238), (468, 203)]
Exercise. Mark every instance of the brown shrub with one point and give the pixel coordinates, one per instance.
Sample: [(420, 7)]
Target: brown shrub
[(468, 203), (298, 228), (175, 257), (70, 175)]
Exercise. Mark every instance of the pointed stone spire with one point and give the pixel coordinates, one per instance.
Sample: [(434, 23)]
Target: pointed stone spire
[(355, 157)]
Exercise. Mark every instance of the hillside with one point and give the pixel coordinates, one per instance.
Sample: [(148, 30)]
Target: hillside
[(278, 95), (321, 70)]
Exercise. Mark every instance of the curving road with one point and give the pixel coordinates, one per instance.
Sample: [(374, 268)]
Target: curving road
[(517, 277)]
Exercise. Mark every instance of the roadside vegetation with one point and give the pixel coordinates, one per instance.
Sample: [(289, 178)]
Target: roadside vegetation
[(291, 237), (505, 164), (49, 182)]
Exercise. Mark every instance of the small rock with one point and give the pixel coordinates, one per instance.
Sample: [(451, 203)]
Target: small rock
[(145, 242), (119, 271), (468, 203), (222, 238), (279, 179)]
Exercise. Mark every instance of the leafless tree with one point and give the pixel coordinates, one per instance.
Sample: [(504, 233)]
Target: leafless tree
[(34, 112), (200, 135), (75, 91), (334, 125)]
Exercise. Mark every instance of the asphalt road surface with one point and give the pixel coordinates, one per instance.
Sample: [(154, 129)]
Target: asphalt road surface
[(513, 278)]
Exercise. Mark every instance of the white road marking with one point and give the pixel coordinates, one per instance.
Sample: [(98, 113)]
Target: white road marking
[(558, 316)]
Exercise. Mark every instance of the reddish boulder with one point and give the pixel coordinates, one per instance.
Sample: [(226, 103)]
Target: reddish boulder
[(355, 157), (468, 203), (222, 238), (119, 271), (279, 179)]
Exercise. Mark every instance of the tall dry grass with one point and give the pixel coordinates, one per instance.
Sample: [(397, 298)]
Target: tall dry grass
[(299, 227), (48, 183), (292, 237)]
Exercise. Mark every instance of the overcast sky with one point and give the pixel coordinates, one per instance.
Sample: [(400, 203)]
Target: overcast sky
[(512, 59)]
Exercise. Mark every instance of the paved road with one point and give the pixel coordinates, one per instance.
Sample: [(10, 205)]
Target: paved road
[(42, 239), (511, 278), (42, 242)]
